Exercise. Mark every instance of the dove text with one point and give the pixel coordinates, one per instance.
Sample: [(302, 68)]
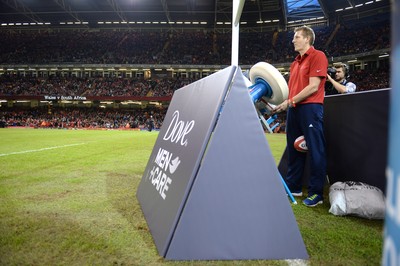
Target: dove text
[(178, 130)]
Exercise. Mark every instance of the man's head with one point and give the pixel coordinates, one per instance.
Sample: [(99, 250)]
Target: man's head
[(303, 38), (342, 72)]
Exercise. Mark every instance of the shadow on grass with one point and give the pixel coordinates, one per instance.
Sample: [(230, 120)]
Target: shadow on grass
[(54, 239), (121, 190)]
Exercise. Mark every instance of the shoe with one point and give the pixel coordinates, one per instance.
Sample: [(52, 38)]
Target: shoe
[(298, 193), (313, 200)]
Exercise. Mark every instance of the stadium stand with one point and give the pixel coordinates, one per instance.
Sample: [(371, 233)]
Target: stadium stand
[(172, 48), (81, 118), (193, 48)]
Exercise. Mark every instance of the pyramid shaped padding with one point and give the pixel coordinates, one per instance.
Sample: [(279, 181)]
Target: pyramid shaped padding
[(176, 155), (237, 208)]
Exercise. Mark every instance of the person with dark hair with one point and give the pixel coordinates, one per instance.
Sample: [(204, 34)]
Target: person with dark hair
[(340, 84), (305, 116), (150, 123)]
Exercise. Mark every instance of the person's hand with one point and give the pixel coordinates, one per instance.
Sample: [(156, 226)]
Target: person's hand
[(329, 78), (280, 108)]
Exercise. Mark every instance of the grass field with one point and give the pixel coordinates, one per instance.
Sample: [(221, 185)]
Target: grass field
[(68, 197)]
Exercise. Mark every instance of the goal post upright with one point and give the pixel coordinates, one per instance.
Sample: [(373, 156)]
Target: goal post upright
[(237, 8)]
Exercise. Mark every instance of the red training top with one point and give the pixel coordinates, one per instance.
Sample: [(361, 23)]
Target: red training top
[(312, 64)]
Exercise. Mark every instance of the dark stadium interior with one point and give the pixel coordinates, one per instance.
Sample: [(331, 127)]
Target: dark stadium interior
[(124, 59), (210, 11)]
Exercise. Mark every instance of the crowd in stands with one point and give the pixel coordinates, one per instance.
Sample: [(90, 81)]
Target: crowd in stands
[(354, 39), (82, 118), (188, 47), (94, 118), (371, 79), (147, 47), (11, 85)]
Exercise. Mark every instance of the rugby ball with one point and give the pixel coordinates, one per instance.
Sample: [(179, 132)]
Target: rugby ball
[(300, 144)]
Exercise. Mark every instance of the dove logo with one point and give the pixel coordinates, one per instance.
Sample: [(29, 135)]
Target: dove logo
[(174, 165), (178, 130)]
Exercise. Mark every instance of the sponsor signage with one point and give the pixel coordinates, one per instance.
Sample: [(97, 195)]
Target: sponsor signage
[(211, 189), (63, 98), (391, 248), (178, 150)]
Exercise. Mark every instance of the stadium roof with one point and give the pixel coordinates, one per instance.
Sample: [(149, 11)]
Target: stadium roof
[(169, 13)]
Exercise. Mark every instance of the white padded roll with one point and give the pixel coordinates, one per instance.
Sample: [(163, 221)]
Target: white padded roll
[(274, 78)]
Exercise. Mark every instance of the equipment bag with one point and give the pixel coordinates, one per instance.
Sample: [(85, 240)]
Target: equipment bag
[(358, 199)]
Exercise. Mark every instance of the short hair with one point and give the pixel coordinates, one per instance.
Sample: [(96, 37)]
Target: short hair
[(344, 67), (307, 32)]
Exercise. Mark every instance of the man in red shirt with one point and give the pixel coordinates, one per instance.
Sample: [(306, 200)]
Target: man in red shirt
[(305, 116)]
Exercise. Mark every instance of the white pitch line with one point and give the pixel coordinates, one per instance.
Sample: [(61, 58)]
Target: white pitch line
[(42, 149)]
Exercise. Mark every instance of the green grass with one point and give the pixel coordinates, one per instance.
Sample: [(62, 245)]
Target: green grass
[(75, 204)]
